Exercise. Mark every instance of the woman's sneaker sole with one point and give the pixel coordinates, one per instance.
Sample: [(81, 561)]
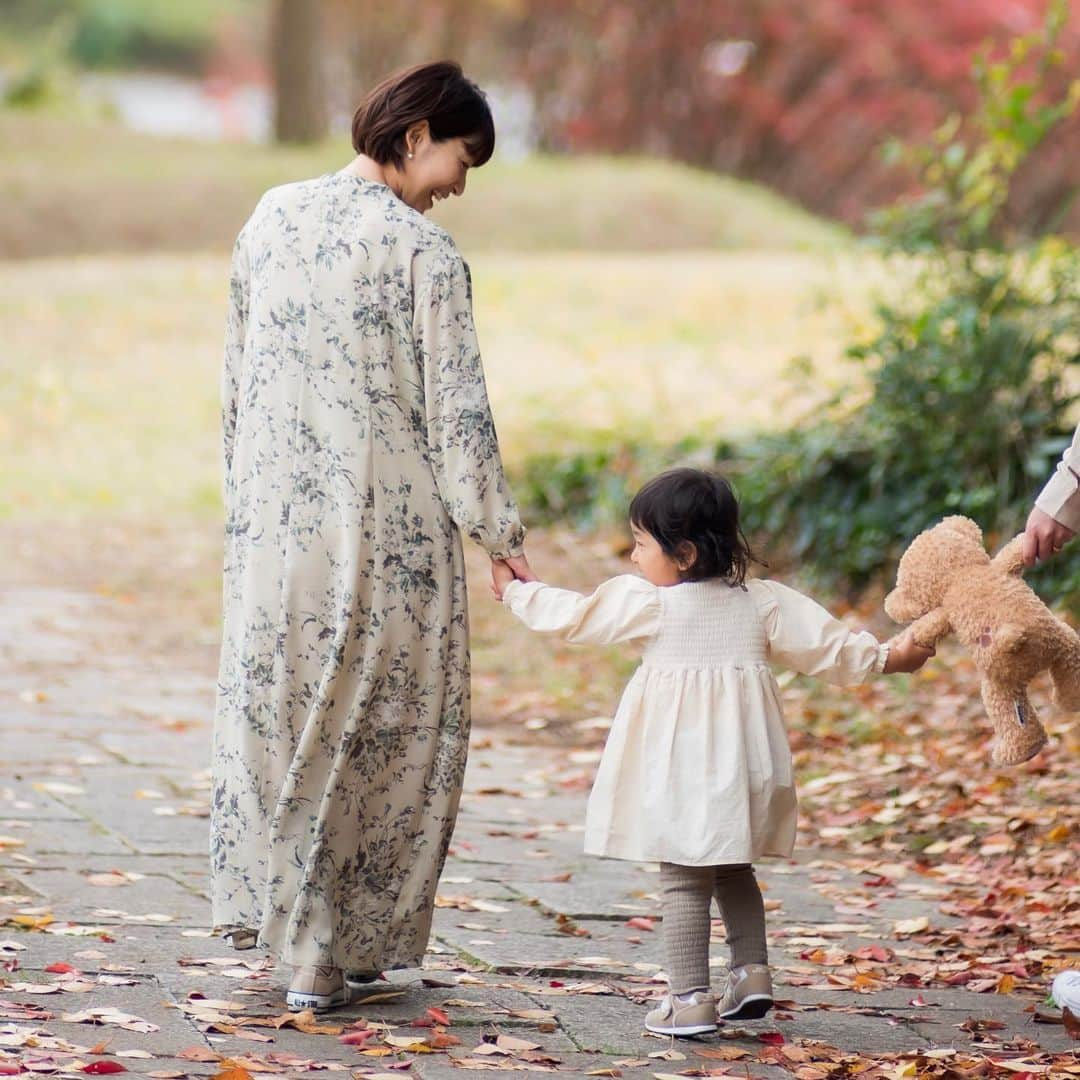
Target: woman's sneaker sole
[(753, 1007), (297, 1002)]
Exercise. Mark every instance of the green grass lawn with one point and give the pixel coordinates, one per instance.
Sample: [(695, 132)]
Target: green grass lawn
[(108, 391), (614, 298), (72, 186)]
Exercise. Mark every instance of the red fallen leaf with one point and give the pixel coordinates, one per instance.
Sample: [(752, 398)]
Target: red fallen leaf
[(773, 1038), (60, 969), (442, 1040), (439, 1016), (641, 922), (100, 1068), (357, 1038), (108, 940), (10, 1070), (422, 1022), (917, 1001), (874, 952), (556, 983)]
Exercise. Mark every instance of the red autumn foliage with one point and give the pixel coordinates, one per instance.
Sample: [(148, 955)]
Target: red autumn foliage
[(801, 97)]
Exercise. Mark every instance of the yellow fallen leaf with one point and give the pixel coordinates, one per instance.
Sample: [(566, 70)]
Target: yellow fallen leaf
[(32, 922)]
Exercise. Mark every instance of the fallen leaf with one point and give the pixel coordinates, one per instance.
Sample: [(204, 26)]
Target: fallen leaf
[(233, 1072), (723, 1053), (907, 927), (1072, 1023), (101, 1068), (357, 1038)]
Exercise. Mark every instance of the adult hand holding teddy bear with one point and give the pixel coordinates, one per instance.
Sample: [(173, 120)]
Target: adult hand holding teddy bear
[(947, 583)]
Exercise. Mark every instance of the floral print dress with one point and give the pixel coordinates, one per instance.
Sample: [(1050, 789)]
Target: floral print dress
[(358, 444)]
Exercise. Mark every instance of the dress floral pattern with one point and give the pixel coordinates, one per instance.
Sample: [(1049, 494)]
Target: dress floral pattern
[(358, 446)]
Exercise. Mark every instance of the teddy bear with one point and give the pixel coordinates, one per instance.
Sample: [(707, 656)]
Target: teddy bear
[(947, 583)]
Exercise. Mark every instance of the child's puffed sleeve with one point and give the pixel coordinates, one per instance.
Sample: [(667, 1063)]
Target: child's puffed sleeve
[(804, 637), (622, 609)]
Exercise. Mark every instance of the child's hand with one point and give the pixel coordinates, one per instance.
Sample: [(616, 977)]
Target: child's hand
[(501, 576), (906, 654)]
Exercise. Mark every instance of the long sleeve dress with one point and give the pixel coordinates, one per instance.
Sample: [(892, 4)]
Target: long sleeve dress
[(697, 769), (358, 446)]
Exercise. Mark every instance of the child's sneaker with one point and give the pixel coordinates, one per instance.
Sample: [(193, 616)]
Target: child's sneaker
[(748, 995), (694, 1014), (317, 988)]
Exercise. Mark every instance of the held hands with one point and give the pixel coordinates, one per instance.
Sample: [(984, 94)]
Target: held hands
[(906, 655), (503, 571), (1043, 537)]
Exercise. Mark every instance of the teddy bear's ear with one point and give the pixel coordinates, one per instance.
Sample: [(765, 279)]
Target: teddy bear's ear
[(965, 526), (901, 608)]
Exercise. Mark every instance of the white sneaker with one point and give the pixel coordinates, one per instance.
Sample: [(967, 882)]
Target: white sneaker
[(1065, 990), (317, 988)]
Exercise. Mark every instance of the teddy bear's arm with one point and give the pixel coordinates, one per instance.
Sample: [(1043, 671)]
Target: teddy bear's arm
[(931, 628), (1010, 558)]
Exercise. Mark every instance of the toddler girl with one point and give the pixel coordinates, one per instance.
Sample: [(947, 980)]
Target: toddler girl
[(696, 774)]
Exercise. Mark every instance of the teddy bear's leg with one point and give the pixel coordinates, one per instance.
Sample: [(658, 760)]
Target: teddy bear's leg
[(1065, 671), (1019, 734)]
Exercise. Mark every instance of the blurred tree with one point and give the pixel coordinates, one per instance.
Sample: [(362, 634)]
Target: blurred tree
[(799, 96), (300, 113)]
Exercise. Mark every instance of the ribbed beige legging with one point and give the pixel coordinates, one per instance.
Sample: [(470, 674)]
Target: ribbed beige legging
[(687, 895)]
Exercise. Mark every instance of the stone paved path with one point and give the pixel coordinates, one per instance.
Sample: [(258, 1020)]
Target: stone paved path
[(103, 788)]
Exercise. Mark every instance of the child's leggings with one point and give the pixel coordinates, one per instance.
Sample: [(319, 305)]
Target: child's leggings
[(687, 896)]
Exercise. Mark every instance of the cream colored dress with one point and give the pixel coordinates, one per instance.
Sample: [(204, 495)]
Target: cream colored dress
[(697, 769), (359, 447)]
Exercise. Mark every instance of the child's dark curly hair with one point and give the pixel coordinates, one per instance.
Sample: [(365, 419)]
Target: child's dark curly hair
[(694, 515)]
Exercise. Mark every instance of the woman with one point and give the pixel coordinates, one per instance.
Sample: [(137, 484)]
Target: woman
[(358, 442)]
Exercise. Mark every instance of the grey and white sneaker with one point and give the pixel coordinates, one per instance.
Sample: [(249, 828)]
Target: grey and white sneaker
[(692, 1014), (318, 988), (361, 980), (748, 994)]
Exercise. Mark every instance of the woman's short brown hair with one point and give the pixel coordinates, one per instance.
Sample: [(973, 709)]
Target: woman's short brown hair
[(439, 93)]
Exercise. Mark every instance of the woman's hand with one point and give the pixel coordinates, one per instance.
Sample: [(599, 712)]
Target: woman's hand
[(906, 655), (1043, 537)]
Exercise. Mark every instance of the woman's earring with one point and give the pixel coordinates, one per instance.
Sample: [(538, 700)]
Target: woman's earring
[(410, 155)]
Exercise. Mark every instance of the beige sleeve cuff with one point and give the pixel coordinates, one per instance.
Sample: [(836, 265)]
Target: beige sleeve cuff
[(1061, 497), (882, 659)]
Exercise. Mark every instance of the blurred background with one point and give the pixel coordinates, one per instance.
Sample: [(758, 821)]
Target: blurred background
[(830, 248)]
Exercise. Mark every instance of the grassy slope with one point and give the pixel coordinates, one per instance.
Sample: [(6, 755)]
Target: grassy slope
[(92, 187), (108, 393)]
